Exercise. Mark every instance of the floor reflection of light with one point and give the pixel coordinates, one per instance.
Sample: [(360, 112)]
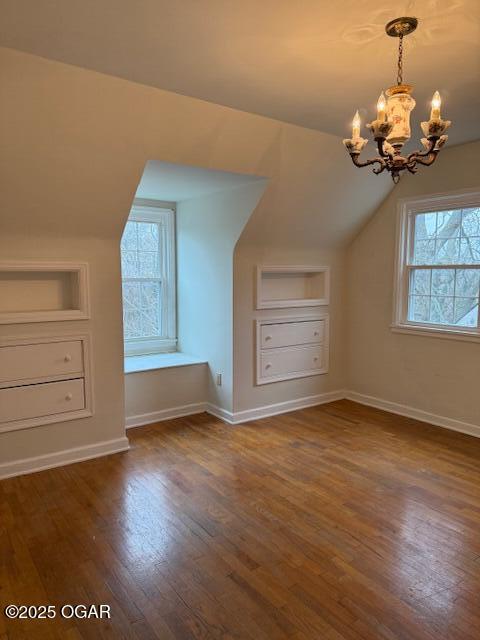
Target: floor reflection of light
[(426, 543), (145, 530)]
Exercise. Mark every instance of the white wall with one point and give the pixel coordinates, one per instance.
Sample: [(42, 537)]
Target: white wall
[(431, 374), (151, 392), (246, 394), (102, 254), (207, 231), (74, 146)]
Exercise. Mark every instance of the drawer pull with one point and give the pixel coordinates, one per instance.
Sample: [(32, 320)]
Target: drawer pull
[(69, 396), (268, 338), (68, 358), (316, 333), (315, 359), (268, 365)]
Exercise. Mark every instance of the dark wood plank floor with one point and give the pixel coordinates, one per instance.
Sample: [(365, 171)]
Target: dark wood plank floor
[(332, 523)]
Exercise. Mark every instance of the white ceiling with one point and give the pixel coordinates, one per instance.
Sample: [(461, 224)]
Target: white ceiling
[(310, 62), (176, 182)]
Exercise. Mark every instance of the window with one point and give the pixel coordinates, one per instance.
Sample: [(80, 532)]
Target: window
[(148, 280), (438, 268)]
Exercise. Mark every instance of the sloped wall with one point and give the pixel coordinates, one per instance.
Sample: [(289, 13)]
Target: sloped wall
[(427, 373), (207, 231), (74, 145)]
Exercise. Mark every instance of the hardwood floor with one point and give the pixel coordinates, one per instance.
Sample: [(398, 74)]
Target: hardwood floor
[(338, 522)]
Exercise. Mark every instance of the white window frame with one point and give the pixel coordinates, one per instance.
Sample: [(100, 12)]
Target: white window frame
[(407, 209), (162, 213)]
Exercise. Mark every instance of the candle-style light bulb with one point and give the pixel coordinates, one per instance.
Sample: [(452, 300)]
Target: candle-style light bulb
[(436, 103), (381, 107), (356, 126)]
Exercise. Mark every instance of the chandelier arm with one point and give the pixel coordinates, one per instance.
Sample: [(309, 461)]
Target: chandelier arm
[(428, 161), (423, 154), (380, 148), (365, 163)]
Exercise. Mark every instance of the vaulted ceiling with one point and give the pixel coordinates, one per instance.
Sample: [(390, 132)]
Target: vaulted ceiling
[(309, 62)]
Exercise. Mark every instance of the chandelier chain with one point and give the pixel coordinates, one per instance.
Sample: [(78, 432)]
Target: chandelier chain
[(400, 60)]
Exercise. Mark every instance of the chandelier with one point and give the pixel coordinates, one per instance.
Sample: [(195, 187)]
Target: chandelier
[(391, 129)]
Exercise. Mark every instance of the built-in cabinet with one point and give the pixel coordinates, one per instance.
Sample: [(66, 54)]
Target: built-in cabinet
[(292, 286), (43, 292), (44, 380), (291, 347)]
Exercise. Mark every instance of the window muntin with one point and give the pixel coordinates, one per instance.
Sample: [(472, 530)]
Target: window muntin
[(438, 273), (148, 281), (447, 291)]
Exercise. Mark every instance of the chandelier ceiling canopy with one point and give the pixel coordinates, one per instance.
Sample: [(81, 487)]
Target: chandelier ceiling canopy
[(391, 129)]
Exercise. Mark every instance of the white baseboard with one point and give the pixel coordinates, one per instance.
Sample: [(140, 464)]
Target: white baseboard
[(61, 458), (78, 454), (416, 414), (228, 416), (218, 412), (165, 414), (274, 409)]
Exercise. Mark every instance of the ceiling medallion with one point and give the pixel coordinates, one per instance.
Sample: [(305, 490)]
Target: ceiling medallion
[(391, 129)]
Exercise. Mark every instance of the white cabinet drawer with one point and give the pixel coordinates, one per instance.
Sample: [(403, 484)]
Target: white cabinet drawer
[(291, 361), (37, 400), (32, 361), (287, 333)]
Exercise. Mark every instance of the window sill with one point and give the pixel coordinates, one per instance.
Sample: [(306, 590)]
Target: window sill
[(153, 361), (434, 332)]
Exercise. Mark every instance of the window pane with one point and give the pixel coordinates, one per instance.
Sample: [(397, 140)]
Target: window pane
[(449, 224), (151, 295), (471, 222), (466, 312), (148, 264), (421, 279), (142, 309), (425, 225), (149, 323), (447, 251), (147, 236), (441, 310), (467, 282), (447, 237), (424, 252), (131, 295), (443, 282), (419, 308), (129, 318), (129, 238), (470, 250), (129, 264)]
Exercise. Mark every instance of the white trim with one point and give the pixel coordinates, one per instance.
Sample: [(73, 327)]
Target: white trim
[(416, 414), (218, 412), (156, 361), (62, 458), (82, 292), (406, 208), (165, 414), (86, 375), (268, 410), (228, 416), (162, 214), (435, 331), (293, 302)]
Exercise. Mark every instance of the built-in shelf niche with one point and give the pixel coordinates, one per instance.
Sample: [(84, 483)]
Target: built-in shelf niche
[(43, 292), (292, 286)]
